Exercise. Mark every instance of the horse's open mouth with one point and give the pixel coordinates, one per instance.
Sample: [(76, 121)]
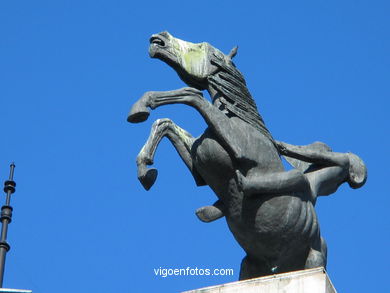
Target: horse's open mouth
[(157, 41)]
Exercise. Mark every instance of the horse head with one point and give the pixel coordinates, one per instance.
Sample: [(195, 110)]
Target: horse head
[(191, 61), (202, 66)]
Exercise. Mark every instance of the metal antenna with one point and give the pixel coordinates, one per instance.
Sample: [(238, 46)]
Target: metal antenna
[(5, 218)]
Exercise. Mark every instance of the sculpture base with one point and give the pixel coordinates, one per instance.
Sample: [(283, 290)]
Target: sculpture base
[(7, 290), (306, 281)]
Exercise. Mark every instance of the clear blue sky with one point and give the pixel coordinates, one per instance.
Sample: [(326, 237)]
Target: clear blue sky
[(69, 73)]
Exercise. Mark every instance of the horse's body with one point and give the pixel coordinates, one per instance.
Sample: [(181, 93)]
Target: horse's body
[(278, 230)]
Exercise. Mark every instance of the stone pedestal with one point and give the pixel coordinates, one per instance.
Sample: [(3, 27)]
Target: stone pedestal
[(6, 290), (306, 281)]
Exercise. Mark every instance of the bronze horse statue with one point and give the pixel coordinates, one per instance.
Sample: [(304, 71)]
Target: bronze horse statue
[(269, 210)]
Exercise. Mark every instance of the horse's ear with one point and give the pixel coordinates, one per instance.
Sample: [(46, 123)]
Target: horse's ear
[(233, 52)]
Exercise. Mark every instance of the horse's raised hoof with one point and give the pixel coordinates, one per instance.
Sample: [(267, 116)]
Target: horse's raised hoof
[(148, 178), (208, 214), (138, 113)]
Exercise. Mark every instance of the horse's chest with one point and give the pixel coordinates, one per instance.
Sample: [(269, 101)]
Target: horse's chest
[(210, 158)]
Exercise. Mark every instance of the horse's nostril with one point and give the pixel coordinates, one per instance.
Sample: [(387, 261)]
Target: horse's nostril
[(157, 41)]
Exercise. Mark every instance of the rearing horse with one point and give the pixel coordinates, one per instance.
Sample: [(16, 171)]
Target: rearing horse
[(269, 210)]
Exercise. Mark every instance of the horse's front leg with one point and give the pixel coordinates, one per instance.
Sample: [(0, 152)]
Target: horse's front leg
[(222, 126), (153, 99), (181, 140)]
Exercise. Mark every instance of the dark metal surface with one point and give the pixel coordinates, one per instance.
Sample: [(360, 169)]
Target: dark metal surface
[(269, 210), (6, 218)]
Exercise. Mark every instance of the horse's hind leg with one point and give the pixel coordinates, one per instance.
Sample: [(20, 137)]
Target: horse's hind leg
[(273, 183), (181, 140), (317, 256), (251, 268), (318, 153)]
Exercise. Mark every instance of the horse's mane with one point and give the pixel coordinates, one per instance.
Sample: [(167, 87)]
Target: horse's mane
[(230, 84)]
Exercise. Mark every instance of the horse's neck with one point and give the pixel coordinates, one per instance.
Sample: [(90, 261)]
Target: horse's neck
[(212, 92), (217, 99)]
